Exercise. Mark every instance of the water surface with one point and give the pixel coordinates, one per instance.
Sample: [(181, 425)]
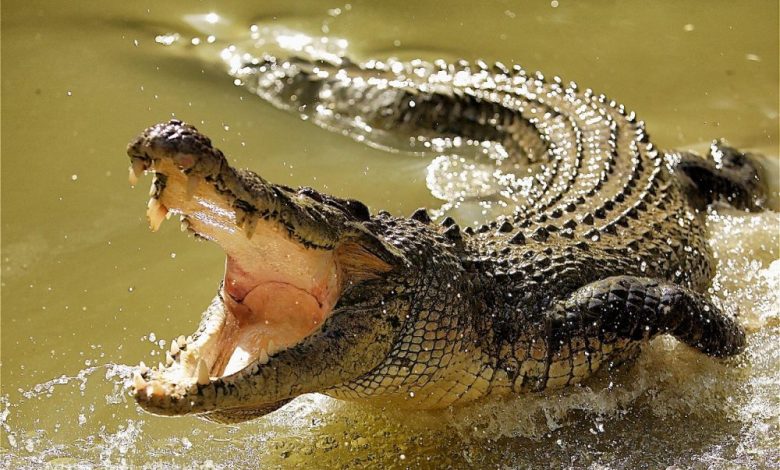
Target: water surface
[(86, 288)]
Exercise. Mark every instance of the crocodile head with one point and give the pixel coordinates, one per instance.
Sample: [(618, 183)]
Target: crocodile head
[(303, 303)]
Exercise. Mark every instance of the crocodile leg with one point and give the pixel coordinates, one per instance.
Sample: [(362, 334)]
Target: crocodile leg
[(606, 319), (726, 174)]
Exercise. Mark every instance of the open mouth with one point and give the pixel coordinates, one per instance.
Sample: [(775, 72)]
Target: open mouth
[(278, 288)]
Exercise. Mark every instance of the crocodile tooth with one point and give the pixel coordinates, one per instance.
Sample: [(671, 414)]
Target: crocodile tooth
[(179, 389), (138, 382), (156, 213), (240, 215), (263, 357), (136, 168), (142, 368), (160, 366), (184, 224), (271, 348), (192, 186), (175, 348), (131, 177), (168, 358), (202, 372), (189, 363), (181, 341), (155, 388), (250, 223)]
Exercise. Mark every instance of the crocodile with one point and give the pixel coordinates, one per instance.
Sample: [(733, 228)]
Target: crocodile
[(605, 248)]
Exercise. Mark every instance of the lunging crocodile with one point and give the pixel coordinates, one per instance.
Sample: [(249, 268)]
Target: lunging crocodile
[(605, 249)]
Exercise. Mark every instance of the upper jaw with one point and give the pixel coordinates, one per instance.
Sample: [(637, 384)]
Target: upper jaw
[(177, 150)]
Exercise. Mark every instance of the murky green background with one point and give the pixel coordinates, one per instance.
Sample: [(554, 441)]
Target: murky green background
[(86, 286)]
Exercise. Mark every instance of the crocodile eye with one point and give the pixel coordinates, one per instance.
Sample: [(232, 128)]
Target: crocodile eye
[(357, 209), (310, 192)]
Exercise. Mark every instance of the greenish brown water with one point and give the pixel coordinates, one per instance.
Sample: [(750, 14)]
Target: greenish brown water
[(85, 284)]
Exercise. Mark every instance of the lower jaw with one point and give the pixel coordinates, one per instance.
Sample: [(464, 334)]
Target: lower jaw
[(232, 337), (179, 388), (157, 389)]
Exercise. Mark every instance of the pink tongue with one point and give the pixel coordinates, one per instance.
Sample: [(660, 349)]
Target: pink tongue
[(271, 317), (285, 310)]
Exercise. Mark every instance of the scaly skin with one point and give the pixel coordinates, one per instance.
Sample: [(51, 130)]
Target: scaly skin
[(606, 249)]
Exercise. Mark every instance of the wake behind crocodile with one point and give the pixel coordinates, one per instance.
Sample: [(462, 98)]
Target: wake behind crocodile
[(474, 178)]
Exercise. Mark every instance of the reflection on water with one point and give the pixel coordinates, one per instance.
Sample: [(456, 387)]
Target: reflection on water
[(86, 288)]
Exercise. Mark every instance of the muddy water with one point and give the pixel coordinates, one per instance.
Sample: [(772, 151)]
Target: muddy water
[(86, 288)]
